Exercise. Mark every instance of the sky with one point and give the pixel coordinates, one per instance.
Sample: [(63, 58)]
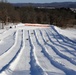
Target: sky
[(38, 1)]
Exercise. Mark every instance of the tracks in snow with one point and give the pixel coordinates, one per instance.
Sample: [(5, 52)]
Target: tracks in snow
[(36, 69), (21, 65), (66, 50), (60, 62), (7, 43), (39, 52), (9, 56), (40, 60)]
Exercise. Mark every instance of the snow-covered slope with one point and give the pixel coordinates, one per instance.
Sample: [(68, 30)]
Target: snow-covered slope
[(29, 50), (68, 32)]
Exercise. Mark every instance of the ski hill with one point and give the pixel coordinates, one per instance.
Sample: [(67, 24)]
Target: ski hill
[(33, 49)]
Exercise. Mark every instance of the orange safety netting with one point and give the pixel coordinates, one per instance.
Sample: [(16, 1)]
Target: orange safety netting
[(37, 25)]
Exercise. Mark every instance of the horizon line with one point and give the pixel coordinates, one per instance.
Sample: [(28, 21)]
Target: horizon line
[(44, 2)]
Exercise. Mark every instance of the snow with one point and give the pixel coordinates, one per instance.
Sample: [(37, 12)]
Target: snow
[(68, 32), (32, 49)]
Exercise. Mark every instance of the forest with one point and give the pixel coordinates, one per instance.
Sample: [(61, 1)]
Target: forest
[(62, 17)]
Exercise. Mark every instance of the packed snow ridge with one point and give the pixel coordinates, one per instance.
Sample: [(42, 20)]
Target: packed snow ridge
[(36, 49)]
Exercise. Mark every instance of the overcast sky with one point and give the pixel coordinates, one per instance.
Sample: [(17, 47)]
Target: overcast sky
[(38, 1)]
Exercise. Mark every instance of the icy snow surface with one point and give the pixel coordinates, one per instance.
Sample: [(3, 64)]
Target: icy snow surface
[(35, 50)]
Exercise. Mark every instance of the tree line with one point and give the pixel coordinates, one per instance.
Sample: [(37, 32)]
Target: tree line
[(27, 14)]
